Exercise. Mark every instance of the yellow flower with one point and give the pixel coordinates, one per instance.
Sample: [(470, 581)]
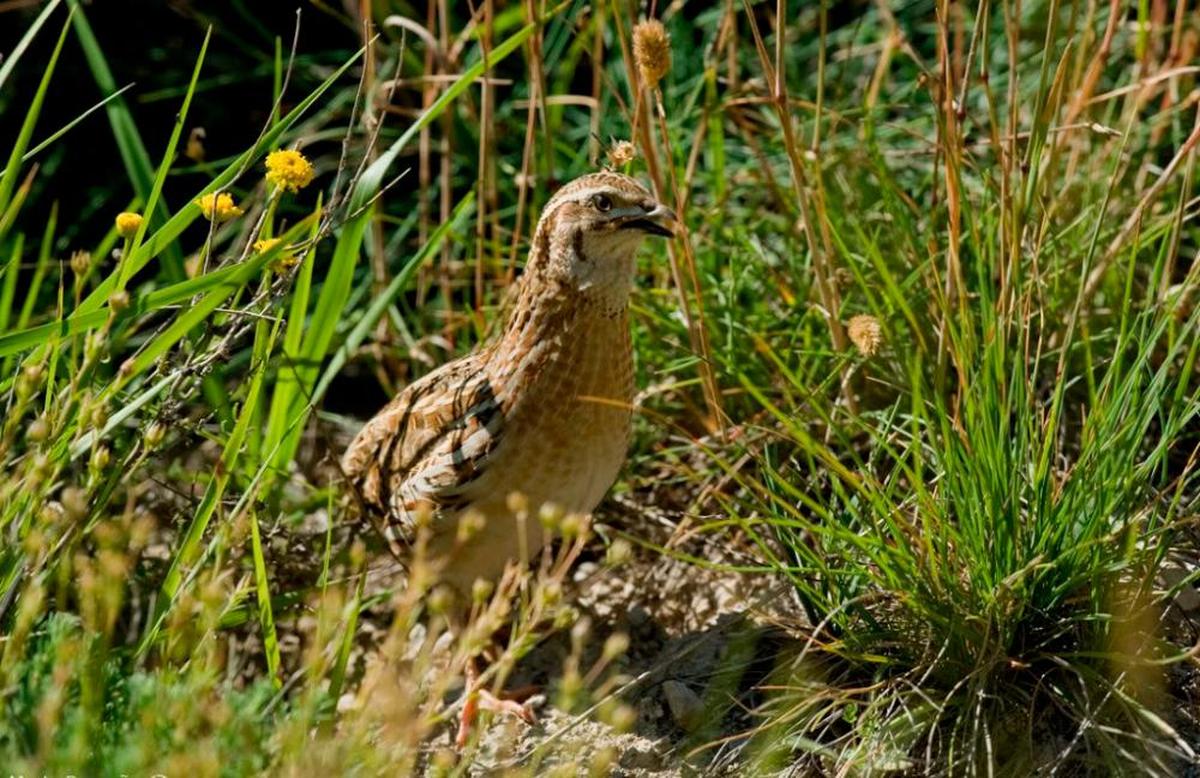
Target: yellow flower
[(128, 223), (652, 51), (218, 207), (281, 262), (288, 169)]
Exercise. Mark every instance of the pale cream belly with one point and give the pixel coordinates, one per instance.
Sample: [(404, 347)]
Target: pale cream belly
[(569, 461)]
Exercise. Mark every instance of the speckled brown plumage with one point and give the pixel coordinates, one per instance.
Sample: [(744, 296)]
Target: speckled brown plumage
[(544, 410)]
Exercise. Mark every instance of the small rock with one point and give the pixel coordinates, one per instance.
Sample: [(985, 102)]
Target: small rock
[(641, 759), (1187, 598), (686, 706)]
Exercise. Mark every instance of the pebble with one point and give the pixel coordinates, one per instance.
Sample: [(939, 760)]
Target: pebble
[(687, 709)]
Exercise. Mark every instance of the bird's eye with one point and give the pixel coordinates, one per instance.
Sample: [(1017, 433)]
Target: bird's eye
[(602, 202)]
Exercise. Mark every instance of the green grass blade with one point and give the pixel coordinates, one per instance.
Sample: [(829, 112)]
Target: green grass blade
[(168, 158), (10, 62), (185, 555), (61, 131), (8, 286), (129, 141), (9, 179), (379, 304), (174, 227), (227, 279)]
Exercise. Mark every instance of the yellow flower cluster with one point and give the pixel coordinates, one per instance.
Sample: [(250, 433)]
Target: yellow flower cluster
[(128, 223), (218, 207), (289, 169), (280, 263)]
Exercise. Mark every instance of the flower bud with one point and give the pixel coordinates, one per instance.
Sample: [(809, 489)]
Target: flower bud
[(81, 262), (155, 434), (616, 645), (481, 590), (101, 458), (128, 224), (39, 430), (619, 552), (75, 503), (118, 300)]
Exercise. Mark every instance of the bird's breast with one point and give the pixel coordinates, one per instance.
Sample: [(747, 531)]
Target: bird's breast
[(568, 428)]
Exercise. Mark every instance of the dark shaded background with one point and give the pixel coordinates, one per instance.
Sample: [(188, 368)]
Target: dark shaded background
[(154, 46)]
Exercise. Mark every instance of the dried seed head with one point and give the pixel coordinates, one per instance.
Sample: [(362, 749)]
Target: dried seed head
[(550, 594), (75, 502), (518, 503), (100, 458), (481, 590), (28, 381), (620, 716), (550, 516), (565, 617), (621, 153), (118, 300), (155, 434), (652, 51), (358, 554), (195, 144), (616, 645), (469, 526), (440, 600), (81, 262), (573, 525), (39, 430), (581, 630), (619, 552), (865, 332)]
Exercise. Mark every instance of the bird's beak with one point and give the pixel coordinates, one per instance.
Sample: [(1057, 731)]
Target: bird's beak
[(659, 220)]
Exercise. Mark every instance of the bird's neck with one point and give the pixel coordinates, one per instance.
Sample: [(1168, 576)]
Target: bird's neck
[(552, 322)]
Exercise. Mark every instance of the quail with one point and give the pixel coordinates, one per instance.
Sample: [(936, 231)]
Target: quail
[(544, 410)]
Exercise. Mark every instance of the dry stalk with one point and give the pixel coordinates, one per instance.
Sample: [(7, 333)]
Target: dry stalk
[(807, 200), (697, 336)]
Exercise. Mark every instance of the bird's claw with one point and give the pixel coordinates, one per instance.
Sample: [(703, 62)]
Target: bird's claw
[(485, 700)]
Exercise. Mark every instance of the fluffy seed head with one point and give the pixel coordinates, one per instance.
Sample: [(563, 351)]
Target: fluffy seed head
[(652, 51), (621, 153), (865, 333)]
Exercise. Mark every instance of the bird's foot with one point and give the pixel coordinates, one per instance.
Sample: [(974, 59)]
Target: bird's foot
[(483, 699)]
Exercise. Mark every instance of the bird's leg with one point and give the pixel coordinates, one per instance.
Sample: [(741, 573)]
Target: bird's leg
[(477, 699)]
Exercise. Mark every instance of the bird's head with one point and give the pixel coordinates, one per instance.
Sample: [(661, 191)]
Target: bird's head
[(590, 232)]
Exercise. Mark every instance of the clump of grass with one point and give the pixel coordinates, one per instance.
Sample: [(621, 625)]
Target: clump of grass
[(975, 530)]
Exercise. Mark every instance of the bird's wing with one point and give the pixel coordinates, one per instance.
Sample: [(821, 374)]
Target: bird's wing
[(428, 445)]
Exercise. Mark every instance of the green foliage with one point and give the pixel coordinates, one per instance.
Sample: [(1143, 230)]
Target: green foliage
[(973, 509)]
